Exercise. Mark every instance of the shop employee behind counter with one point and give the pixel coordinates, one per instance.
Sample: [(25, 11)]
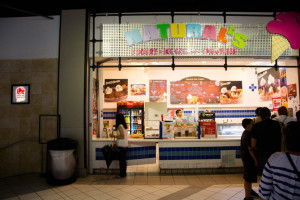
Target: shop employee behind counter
[(178, 121), (178, 116)]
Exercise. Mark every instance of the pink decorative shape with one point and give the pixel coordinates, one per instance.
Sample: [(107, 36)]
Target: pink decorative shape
[(287, 25)]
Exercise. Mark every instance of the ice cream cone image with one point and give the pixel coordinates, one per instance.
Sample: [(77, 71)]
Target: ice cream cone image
[(279, 45), (189, 98)]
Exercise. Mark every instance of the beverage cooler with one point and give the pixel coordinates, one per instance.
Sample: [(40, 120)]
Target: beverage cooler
[(133, 112)]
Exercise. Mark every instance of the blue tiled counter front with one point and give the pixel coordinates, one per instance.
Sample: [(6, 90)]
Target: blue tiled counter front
[(204, 153), (133, 153), (139, 152), (175, 153)]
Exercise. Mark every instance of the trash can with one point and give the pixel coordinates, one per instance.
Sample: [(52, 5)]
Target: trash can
[(61, 161)]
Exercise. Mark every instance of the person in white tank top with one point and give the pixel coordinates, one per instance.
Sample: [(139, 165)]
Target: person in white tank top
[(122, 136), (122, 142)]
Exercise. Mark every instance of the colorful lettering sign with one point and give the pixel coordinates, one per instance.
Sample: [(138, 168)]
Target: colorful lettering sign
[(152, 33), (186, 39)]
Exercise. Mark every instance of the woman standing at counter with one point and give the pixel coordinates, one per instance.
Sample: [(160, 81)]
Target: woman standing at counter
[(122, 142)]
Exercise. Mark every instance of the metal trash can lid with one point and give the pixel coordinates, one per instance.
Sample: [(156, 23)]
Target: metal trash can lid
[(62, 144)]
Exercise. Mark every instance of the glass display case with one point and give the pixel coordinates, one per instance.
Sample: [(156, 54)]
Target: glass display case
[(181, 130), (151, 129), (133, 112), (230, 130)]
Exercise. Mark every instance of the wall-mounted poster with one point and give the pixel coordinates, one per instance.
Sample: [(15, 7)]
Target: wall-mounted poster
[(192, 92), (115, 90), (20, 94), (138, 89), (95, 109), (276, 102), (283, 87), (158, 91), (293, 101), (268, 84), (292, 90), (231, 92)]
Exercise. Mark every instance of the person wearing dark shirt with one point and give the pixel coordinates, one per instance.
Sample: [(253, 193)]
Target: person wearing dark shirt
[(298, 115), (257, 118), (249, 160), (265, 138)]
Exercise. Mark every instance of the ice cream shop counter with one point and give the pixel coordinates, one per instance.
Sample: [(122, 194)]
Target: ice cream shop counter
[(175, 151)]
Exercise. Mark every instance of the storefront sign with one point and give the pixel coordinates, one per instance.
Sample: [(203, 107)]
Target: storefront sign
[(186, 39), (285, 32), (160, 31), (20, 94)]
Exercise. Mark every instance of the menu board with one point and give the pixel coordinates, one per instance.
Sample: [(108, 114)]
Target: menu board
[(268, 84), (231, 92), (115, 90), (192, 92), (158, 91)]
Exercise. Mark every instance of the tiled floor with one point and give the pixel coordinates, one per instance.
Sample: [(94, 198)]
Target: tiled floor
[(142, 182)]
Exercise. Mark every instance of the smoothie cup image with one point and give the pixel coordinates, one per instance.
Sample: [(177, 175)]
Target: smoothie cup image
[(194, 99)]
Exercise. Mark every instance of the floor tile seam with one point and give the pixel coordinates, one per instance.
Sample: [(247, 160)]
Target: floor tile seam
[(229, 196), (180, 191), (89, 195)]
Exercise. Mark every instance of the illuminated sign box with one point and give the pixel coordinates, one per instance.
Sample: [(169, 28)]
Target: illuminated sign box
[(20, 94)]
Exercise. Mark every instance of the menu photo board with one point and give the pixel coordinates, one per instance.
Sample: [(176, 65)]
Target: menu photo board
[(20, 94), (138, 89), (231, 92), (193, 92), (269, 84), (158, 90), (115, 90)]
